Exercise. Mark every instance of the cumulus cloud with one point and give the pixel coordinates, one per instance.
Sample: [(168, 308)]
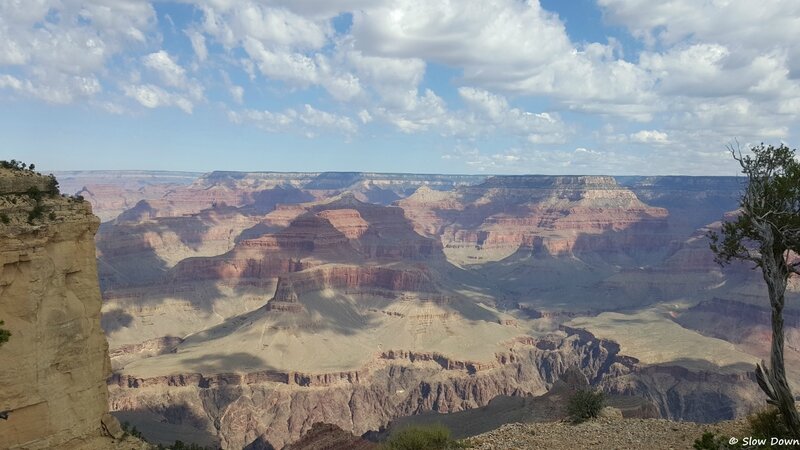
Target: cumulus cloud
[(649, 137), (61, 48), (151, 96), (308, 121), (198, 44), (170, 72), (707, 72), (492, 111)]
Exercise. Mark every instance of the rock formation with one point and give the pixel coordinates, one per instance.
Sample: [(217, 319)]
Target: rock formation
[(54, 368), (246, 307), (551, 216)]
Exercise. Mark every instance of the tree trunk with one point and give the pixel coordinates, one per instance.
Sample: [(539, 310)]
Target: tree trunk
[(773, 380)]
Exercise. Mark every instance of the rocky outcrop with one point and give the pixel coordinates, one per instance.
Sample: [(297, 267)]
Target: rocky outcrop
[(550, 215), (345, 277), (324, 436), (340, 231), (53, 369)]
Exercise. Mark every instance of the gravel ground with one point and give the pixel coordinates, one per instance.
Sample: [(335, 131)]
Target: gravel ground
[(611, 434)]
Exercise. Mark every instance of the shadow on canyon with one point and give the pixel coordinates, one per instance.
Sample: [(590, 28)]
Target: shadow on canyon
[(216, 363), (165, 425)]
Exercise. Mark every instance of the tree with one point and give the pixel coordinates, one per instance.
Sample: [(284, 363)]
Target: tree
[(767, 233)]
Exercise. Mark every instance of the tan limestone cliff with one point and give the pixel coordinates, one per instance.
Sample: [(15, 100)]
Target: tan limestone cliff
[(53, 369)]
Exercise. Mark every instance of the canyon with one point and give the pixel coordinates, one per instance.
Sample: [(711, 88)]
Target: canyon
[(243, 308)]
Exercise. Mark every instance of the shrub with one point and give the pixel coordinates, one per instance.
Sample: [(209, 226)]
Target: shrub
[(52, 185), (13, 164), (429, 437), (767, 423), (131, 430), (34, 193), (4, 334), (4, 218), (585, 404), (35, 213), (710, 441)]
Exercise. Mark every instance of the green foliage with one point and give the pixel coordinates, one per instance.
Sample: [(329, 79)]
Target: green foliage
[(52, 185), (13, 165), (771, 202), (130, 430), (17, 165), (4, 218), (709, 441), (4, 334), (35, 213), (429, 437), (34, 193), (768, 423), (585, 404)]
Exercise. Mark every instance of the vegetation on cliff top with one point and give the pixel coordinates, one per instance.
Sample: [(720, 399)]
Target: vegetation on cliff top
[(34, 194), (16, 165)]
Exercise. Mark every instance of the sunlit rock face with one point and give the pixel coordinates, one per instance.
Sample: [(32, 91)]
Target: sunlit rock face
[(54, 367)]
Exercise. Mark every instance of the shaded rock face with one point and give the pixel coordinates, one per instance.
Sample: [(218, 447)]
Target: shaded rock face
[(551, 215), (324, 436), (342, 231), (352, 277), (53, 369)]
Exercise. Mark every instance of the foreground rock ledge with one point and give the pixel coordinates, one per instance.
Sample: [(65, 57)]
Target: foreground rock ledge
[(53, 369), (627, 434)]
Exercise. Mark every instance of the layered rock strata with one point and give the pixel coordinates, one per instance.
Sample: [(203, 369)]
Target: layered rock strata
[(250, 409), (54, 368)]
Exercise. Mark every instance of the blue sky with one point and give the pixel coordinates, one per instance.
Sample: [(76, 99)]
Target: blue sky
[(468, 86)]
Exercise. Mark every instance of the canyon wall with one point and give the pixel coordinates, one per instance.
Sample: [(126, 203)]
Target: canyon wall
[(53, 369), (257, 412)]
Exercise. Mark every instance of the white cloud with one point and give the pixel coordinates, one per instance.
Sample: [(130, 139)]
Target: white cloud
[(198, 44), (151, 96), (61, 48), (492, 112), (507, 45), (308, 121), (709, 72), (170, 72), (649, 137), (237, 92)]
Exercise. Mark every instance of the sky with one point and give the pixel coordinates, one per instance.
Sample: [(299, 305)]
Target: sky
[(616, 87)]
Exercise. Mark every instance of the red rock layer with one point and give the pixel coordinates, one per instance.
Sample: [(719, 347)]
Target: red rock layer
[(292, 286), (559, 215)]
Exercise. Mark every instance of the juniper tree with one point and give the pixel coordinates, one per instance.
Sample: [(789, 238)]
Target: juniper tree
[(766, 232)]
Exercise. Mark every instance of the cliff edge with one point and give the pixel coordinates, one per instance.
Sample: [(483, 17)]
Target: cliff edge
[(54, 367)]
